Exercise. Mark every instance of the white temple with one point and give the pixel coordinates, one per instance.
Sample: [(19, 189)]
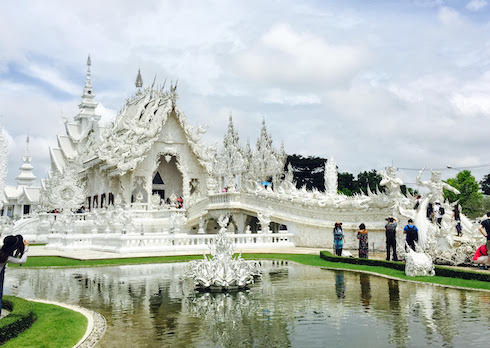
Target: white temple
[(19, 201), (146, 182)]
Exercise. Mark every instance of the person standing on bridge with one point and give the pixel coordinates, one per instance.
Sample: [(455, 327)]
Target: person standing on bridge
[(338, 238)]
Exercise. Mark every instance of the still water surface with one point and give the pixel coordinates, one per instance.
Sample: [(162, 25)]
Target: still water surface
[(292, 306)]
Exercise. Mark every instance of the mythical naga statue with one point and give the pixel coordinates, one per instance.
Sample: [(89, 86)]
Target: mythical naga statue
[(436, 186)]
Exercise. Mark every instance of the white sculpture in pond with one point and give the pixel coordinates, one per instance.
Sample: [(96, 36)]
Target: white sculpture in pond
[(222, 271)]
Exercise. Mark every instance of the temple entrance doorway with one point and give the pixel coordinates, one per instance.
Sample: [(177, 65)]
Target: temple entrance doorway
[(158, 186), (167, 179)]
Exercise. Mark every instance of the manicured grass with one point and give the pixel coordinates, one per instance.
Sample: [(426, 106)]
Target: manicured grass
[(311, 260), (57, 261), (55, 327)]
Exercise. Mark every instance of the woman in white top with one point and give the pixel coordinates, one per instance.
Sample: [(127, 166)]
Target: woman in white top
[(14, 250)]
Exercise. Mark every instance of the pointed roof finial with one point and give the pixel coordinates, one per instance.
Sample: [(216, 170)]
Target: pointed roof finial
[(26, 177), (230, 117), (139, 80), (88, 103)]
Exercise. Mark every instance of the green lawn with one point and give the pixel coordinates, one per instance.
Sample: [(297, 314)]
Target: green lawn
[(55, 327), (312, 260)]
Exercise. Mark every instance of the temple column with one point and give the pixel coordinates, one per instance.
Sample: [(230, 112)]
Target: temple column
[(240, 219)]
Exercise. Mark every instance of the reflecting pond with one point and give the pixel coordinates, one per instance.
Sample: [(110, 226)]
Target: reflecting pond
[(292, 306)]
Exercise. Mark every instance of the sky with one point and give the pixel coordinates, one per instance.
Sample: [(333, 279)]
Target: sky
[(370, 83)]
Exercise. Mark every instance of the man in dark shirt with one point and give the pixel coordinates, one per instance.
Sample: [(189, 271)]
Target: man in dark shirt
[(390, 228), (485, 224)]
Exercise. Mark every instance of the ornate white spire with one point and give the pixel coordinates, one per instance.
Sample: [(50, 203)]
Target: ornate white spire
[(230, 162), (139, 80), (331, 177), (266, 161), (26, 177), (88, 104)]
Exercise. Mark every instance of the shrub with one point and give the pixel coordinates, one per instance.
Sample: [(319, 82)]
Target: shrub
[(20, 318), (440, 270)]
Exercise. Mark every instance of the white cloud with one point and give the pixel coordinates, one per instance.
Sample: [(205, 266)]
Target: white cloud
[(287, 57), (476, 5), (277, 96), (449, 16), (53, 78)]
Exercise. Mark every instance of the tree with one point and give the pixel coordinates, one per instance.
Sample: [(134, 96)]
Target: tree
[(307, 171), (485, 184), (371, 179), (347, 184), (469, 198)]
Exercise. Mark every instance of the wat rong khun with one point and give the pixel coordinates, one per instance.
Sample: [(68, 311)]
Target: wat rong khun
[(146, 185)]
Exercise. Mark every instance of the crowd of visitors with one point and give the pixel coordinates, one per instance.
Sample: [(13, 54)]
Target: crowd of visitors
[(411, 233)]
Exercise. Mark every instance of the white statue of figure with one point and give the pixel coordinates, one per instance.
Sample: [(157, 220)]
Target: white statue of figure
[(201, 226), (248, 230), (391, 182), (223, 222), (264, 220), (436, 186), (331, 177)]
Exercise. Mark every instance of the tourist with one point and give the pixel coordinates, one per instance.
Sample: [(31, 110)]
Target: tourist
[(486, 224), (457, 217), (412, 234), (417, 202), (481, 257), (390, 229), (438, 213), (430, 211), (362, 235), (11, 245), (338, 238)]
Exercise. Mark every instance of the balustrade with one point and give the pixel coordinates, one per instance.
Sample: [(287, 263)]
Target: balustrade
[(137, 242)]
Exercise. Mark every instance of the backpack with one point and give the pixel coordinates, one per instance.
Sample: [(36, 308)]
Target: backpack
[(411, 231), (441, 210)]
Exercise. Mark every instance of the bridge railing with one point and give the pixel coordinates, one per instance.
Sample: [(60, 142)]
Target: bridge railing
[(155, 242)]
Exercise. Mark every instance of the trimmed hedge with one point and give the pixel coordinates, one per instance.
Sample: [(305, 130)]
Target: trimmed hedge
[(20, 318), (440, 270)]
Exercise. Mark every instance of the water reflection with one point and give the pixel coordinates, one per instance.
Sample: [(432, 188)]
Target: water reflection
[(292, 306), (340, 284), (364, 280)]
